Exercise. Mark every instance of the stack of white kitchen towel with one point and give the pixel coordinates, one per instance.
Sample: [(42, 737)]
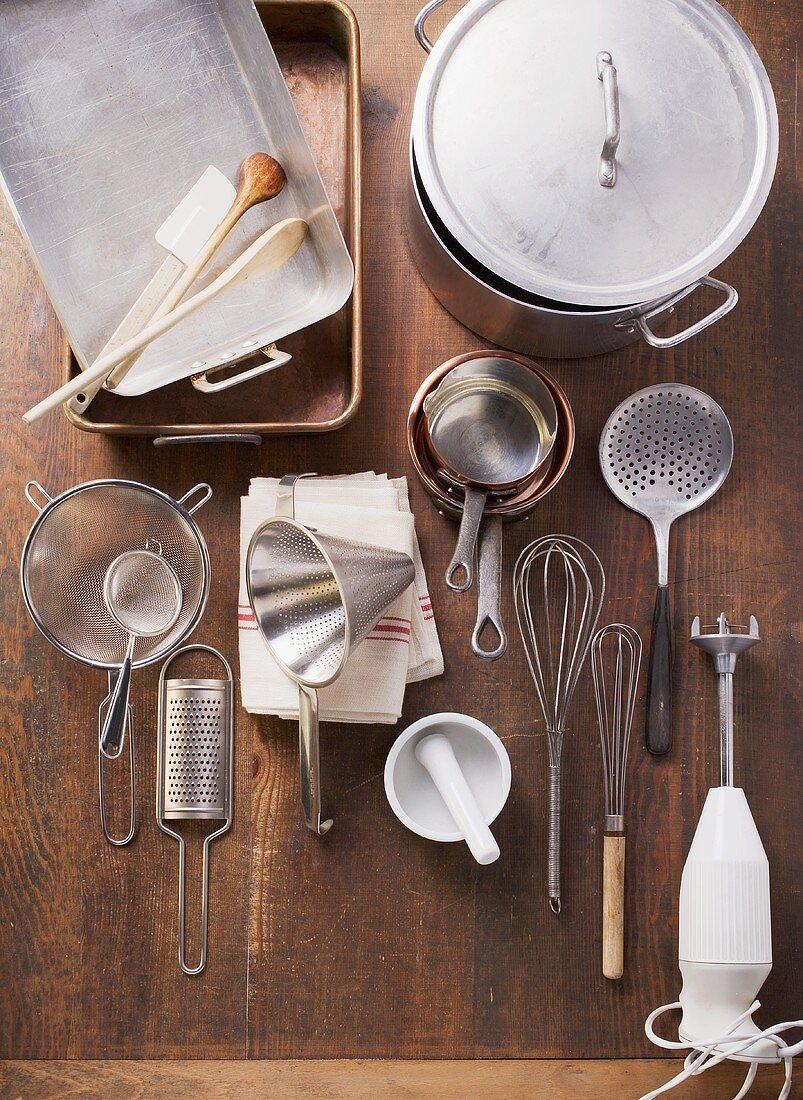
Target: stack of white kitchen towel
[(403, 647)]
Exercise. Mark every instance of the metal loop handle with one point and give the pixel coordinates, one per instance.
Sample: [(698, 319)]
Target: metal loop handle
[(29, 491), (273, 360), (489, 612), (193, 647), (731, 298), (118, 842), (286, 495), (203, 488), (418, 25), (606, 73)]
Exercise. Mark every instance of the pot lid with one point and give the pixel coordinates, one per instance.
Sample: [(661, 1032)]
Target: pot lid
[(514, 131)]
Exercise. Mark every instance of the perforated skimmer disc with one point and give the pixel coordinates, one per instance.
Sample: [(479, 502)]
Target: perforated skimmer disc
[(666, 450)]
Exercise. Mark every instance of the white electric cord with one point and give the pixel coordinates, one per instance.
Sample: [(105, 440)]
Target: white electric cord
[(704, 1055)]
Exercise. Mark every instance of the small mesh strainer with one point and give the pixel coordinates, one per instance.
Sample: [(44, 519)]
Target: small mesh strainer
[(66, 557), (315, 598), (143, 594), (664, 451)]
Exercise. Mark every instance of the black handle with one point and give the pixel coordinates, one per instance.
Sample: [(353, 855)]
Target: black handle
[(659, 688), (111, 736)]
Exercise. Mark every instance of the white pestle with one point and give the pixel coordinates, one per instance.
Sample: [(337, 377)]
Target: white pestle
[(436, 754)]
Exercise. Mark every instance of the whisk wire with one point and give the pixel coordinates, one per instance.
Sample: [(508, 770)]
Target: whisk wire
[(558, 587), (615, 694)]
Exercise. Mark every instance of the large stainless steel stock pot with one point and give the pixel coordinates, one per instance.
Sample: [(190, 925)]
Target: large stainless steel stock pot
[(577, 169)]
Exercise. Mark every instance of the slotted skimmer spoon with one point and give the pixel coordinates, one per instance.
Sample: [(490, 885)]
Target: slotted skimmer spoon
[(664, 451)]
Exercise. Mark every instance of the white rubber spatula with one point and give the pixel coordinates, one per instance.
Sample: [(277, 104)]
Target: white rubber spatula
[(269, 251), (182, 234)]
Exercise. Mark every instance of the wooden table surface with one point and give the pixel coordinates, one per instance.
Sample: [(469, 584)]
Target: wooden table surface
[(374, 943)]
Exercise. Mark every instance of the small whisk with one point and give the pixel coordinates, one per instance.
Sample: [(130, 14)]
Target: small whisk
[(558, 588), (615, 664)]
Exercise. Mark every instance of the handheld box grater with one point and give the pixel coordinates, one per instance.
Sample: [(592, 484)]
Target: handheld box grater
[(194, 770)]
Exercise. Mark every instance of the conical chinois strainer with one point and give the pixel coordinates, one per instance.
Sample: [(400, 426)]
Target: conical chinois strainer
[(315, 598)]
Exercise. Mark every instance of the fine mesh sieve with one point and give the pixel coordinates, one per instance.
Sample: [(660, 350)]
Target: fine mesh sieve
[(664, 451), (67, 554), (194, 770), (315, 597), (74, 541)]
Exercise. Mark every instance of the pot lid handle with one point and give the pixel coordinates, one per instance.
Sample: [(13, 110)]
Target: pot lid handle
[(606, 73)]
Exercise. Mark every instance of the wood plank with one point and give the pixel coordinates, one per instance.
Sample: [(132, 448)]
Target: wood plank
[(374, 942), (365, 1080)]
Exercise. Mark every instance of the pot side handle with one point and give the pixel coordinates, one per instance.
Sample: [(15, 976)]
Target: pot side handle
[(418, 26), (731, 298)]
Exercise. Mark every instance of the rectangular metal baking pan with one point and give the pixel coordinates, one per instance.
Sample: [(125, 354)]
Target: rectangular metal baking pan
[(317, 44), (108, 113)]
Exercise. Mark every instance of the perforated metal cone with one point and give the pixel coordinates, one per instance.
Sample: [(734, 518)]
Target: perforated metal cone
[(316, 597)]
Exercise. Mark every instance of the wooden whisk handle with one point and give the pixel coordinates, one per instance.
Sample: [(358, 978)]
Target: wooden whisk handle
[(613, 905)]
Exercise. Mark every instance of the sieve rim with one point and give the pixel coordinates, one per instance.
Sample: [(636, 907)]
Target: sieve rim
[(47, 509), (273, 521)]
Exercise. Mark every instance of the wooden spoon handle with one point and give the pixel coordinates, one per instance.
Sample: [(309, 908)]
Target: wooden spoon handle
[(277, 245), (613, 906), (261, 178)]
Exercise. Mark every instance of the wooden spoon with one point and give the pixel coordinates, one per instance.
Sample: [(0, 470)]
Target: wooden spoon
[(272, 249), (261, 178)]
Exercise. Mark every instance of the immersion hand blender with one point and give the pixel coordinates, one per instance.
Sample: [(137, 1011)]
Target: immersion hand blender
[(725, 945)]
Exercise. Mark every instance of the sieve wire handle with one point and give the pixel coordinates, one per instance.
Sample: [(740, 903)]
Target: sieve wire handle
[(34, 487), (310, 760), (118, 842), (205, 491), (113, 731)]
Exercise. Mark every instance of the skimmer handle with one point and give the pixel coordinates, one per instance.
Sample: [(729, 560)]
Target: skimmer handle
[(659, 679)]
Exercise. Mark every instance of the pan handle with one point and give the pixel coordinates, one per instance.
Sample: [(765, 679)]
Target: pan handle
[(34, 487), (731, 298), (273, 360), (418, 26), (462, 564), (489, 612)]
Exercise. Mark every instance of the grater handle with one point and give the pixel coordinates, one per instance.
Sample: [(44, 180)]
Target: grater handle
[(310, 760)]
